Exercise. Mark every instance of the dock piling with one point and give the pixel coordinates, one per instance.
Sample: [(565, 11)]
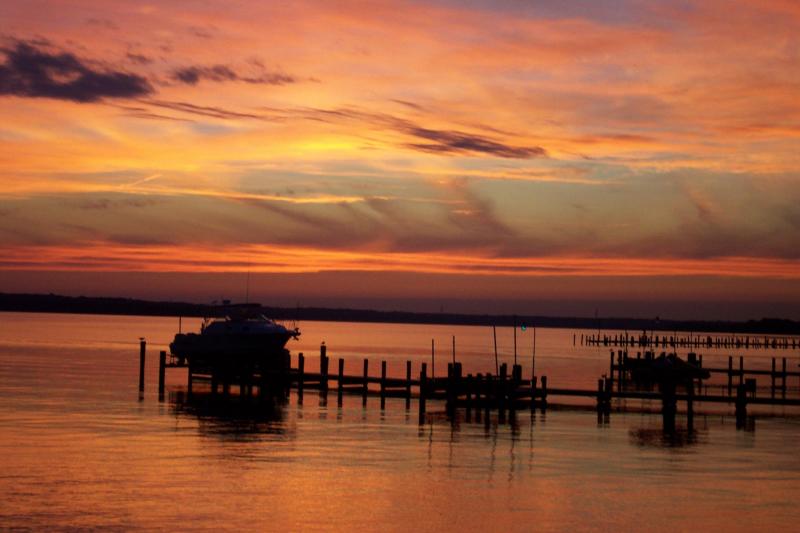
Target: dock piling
[(383, 384), (142, 349), (408, 384), (423, 385), (365, 388), (340, 387), (162, 363)]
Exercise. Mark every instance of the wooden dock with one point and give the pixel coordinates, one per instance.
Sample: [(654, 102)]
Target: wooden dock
[(504, 392)]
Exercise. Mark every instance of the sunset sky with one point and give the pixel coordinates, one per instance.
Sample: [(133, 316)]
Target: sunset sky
[(554, 157)]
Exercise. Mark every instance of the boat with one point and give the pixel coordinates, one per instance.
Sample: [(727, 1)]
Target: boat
[(242, 336), (665, 368)]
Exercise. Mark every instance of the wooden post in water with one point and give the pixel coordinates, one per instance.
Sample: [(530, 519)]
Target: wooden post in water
[(423, 384), (494, 334), (481, 393), (690, 404), (162, 367), (772, 376), (489, 396), (741, 407), (468, 396), (189, 378), (383, 384), (365, 388), (301, 369), (544, 393), (600, 393), (142, 349), (323, 370), (730, 374), (408, 384), (502, 390), (340, 387), (741, 370), (783, 377)]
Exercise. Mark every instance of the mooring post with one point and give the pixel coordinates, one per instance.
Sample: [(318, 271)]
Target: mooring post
[(408, 384), (323, 370), (142, 349), (783, 377), (730, 374), (544, 393), (340, 387), (772, 375), (189, 378), (365, 388), (449, 389), (468, 396), (741, 369), (668, 405), (301, 369), (383, 384), (423, 378), (516, 379), (741, 407), (162, 368), (600, 392), (490, 396), (690, 404), (502, 391)]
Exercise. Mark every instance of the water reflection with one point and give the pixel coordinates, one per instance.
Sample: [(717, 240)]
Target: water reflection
[(232, 418), (660, 438)]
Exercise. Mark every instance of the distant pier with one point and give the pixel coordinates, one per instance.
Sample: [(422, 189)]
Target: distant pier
[(688, 340)]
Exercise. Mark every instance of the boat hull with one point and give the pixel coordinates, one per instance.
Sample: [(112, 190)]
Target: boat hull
[(256, 351)]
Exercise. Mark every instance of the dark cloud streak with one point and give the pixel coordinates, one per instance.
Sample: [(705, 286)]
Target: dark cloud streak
[(456, 142), (29, 71), (192, 75)]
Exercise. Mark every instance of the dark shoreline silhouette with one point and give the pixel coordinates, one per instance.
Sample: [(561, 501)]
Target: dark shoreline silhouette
[(52, 303)]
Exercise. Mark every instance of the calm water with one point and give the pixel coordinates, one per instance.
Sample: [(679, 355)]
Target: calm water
[(81, 451)]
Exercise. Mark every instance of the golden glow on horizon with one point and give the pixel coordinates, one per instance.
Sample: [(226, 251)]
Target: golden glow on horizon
[(107, 257)]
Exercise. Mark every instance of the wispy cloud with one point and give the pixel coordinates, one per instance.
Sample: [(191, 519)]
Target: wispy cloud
[(34, 72), (194, 74)]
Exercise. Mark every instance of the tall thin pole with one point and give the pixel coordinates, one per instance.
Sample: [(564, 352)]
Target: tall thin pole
[(454, 349), (515, 339), (533, 358), (496, 364), (433, 361)]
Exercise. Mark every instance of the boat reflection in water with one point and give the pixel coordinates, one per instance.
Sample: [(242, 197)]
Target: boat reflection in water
[(232, 417)]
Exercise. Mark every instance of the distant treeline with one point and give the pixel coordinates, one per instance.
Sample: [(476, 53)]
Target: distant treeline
[(52, 303)]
